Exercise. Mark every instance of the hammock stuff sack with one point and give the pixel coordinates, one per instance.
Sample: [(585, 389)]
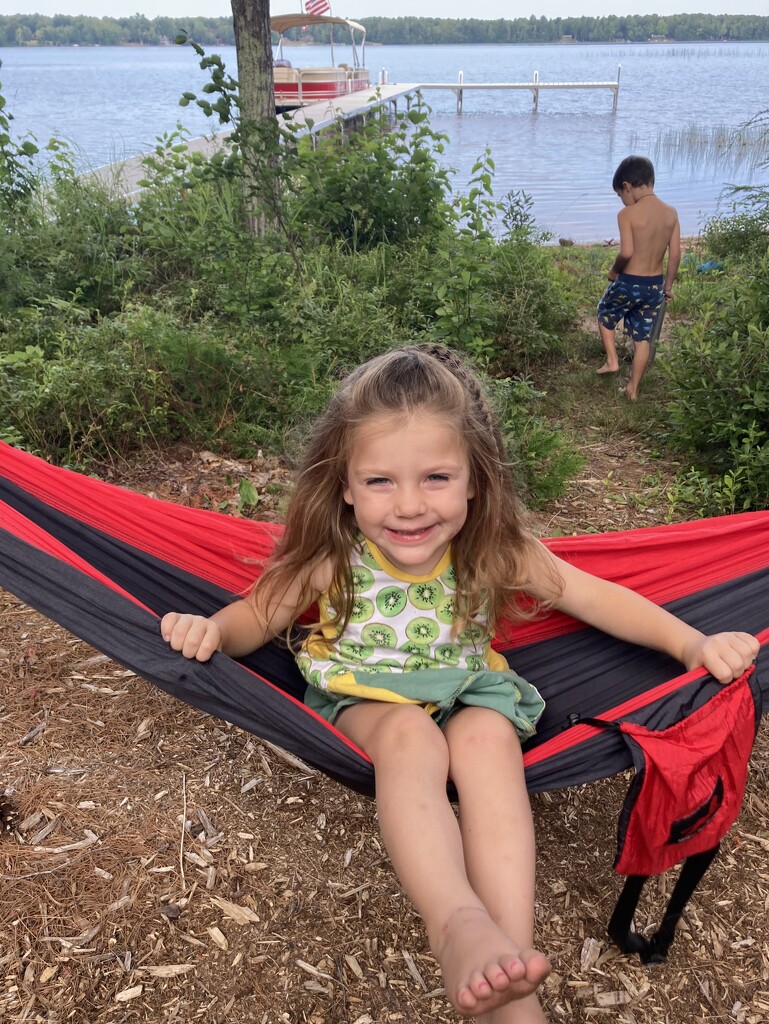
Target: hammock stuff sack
[(107, 563), (685, 795)]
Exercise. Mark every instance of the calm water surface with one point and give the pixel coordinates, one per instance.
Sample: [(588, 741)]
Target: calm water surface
[(111, 103)]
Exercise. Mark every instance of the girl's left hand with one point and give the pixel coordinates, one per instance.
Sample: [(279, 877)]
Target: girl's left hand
[(725, 655)]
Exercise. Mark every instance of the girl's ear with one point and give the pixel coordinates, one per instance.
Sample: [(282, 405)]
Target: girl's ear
[(347, 493)]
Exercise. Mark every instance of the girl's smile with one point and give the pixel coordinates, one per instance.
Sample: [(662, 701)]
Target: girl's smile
[(409, 483)]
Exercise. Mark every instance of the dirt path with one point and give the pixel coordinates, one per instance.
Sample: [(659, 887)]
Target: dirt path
[(275, 903)]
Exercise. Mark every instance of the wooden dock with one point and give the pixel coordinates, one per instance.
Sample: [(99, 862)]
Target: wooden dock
[(535, 86), (356, 104), (315, 117)]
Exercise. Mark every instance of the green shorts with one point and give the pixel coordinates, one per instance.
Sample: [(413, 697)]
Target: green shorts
[(441, 692)]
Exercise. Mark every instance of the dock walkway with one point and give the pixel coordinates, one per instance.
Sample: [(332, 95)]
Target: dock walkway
[(314, 117), (534, 86), (125, 176)]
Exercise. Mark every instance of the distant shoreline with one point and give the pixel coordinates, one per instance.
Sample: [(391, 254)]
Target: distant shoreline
[(34, 45), (21, 30)]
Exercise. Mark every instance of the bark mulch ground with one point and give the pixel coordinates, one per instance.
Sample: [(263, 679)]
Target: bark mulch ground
[(158, 865)]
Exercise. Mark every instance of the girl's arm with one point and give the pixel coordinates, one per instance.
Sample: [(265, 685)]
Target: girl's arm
[(625, 614), (243, 626)]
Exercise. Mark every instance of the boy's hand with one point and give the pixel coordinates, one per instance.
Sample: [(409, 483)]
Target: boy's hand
[(669, 292), (194, 635), (725, 655), (612, 275)]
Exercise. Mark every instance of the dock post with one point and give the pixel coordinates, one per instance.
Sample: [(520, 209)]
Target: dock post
[(535, 90), (460, 92), (616, 91)]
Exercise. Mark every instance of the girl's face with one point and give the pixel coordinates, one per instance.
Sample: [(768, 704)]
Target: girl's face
[(408, 480)]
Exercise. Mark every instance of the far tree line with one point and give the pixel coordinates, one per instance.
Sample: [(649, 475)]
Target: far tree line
[(137, 30)]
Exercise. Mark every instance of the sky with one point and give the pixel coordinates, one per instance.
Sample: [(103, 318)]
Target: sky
[(486, 9)]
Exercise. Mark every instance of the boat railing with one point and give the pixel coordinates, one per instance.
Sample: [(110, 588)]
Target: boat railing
[(300, 84)]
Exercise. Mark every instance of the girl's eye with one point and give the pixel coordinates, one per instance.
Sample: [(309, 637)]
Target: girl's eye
[(374, 480), (439, 477)]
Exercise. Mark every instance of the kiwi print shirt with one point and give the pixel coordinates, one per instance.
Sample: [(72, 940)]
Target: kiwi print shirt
[(399, 623)]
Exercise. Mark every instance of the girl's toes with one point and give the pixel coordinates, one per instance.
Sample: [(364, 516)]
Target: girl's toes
[(496, 977), (482, 984), (538, 968), (515, 969), (466, 998)]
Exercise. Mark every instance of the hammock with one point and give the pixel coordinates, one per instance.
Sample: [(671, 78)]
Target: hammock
[(106, 563)]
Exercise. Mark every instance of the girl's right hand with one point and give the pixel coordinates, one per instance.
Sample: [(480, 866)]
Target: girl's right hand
[(194, 635)]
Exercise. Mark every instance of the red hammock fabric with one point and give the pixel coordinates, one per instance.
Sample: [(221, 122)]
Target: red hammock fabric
[(107, 563)]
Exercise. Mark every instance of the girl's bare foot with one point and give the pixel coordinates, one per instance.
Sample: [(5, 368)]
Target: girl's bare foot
[(482, 968), (608, 368)]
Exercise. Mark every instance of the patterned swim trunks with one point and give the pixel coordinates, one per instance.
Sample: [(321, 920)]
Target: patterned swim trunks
[(634, 299)]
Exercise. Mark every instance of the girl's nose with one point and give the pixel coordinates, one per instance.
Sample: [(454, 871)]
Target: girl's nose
[(409, 502)]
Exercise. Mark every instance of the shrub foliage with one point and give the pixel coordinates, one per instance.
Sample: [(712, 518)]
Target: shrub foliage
[(124, 324)]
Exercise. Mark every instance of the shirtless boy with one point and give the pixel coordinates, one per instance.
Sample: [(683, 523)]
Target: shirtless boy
[(648, 228)]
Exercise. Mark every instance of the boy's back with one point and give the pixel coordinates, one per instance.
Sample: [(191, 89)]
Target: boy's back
[(651, 224)]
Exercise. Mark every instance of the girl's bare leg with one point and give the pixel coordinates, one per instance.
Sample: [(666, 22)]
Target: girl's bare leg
[(483, 968), (486, 766)]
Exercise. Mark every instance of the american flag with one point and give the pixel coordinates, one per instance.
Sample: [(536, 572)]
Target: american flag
[(316, 6)]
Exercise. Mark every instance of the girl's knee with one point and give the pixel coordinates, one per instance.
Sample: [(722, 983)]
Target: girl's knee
[(481, 731), (406, 731)]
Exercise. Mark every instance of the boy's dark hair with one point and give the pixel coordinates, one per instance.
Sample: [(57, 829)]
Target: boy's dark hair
[(635, 170)]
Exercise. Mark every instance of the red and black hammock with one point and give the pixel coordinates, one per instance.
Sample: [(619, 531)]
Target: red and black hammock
[(107, 563)]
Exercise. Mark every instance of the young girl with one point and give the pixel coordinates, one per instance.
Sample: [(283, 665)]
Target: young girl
[(404, 531)]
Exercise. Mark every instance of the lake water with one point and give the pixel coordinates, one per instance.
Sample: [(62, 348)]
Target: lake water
[(112, 103)]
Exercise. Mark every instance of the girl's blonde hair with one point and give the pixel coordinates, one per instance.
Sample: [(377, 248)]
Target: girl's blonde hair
[(492, 554)]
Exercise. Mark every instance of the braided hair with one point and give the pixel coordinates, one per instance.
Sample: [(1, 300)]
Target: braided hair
[(494, 554), (472, 386)]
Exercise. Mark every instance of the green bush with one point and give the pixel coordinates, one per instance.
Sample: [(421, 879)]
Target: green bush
[(70, 240), (543, 459), (739, 489), (96, 396), (719, 407), (740, 236), (378, 183)]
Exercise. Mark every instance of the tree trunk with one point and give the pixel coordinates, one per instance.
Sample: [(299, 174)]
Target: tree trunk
[(253, 45)]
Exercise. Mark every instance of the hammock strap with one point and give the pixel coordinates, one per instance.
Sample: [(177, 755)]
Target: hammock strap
[(655, 949)]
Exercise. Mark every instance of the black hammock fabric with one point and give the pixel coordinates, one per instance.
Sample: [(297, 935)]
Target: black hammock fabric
[(107, 563)]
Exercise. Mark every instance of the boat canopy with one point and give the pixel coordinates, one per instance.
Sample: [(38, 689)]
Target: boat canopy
[(283, 22)]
